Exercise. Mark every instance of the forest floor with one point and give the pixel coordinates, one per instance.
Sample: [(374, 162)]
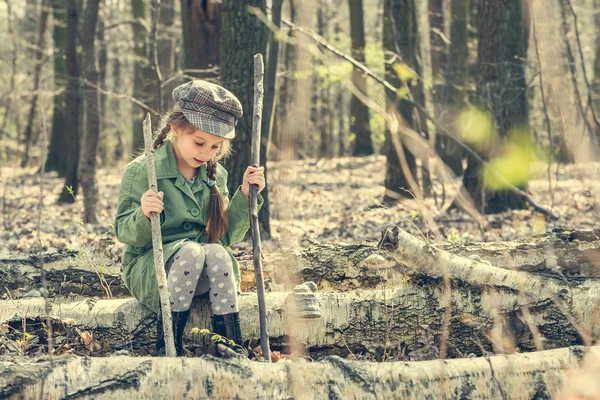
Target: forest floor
[(327, 200)]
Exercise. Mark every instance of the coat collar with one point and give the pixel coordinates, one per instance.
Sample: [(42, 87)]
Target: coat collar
[(166, 167)]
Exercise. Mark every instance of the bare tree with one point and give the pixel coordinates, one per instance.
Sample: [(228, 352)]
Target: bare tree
[(73, 102), (242, 36), (55, 160), (201, 23), (359, 112), (400, 47), (501, 86), (87, 161), (454, 93), (37, 71)]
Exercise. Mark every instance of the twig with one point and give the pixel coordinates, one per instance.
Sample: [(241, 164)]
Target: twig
[(159, 266), (253, 205)]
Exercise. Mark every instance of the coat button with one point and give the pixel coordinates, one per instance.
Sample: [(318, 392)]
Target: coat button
[(187, 226), (194, 212)]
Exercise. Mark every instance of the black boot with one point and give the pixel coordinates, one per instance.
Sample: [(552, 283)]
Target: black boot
[(228, 325), (179, 321)]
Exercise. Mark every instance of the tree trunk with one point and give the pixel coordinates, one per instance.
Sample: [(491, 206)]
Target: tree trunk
[(166, 53), (144, 76), (287, 83), (10, 105), (324, 116), (37, 71), (360, 125), (56, 160), (119, 149), (270, 95), (87, 161), (538, 376), (201, 25), (454, 94), (73, 100), (596, 78), (399, 37), (501, 55), (104, 142), (242, 36), (438, 45)]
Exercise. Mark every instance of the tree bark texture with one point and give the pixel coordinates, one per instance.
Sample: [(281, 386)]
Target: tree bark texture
[(399, 37), (73, 102), (243, 35), (87, 160), (501, 87), (532, 376), (103, 140), (166, 51), (201, 25), (37, 71), (438, 45), (454, 92), (56, 160), (143, 75), (360, 125)]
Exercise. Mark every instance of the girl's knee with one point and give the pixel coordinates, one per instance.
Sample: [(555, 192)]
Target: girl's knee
[(215, 250), (193, 248)]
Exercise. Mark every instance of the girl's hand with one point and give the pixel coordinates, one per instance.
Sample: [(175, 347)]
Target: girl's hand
[(253, 176), (152, 202)]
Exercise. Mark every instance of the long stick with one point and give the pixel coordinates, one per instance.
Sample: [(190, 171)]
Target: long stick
[(253, 204), (159, 266)]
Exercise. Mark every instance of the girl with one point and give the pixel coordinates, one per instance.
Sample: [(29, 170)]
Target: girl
[(198, 220)]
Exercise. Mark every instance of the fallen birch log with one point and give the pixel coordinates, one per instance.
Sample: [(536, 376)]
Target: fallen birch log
[(528, 376), (406, 322), (566, 256), (65, 275)]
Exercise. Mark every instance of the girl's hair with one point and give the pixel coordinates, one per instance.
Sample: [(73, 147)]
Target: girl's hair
[(217, 219)]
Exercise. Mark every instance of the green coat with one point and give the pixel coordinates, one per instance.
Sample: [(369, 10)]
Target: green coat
[(184, 218)]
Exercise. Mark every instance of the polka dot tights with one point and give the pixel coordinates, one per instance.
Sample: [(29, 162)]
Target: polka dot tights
[(195, 269)]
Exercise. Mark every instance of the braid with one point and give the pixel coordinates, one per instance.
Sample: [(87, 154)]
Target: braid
[(217, 220), (162, 135)]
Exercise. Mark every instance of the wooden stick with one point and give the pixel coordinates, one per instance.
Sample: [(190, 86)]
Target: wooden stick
[(253, 205), (159, 266)]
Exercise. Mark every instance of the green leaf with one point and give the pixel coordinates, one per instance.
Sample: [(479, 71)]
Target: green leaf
[(452, 237), (66, 227), (404, 72)]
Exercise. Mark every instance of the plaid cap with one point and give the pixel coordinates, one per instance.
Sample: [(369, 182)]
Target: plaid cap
[(209, 107)]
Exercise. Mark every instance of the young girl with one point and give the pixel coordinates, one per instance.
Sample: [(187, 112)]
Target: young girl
[(198, 220)]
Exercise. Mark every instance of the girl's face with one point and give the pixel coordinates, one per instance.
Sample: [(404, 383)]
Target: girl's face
[(194, 147)]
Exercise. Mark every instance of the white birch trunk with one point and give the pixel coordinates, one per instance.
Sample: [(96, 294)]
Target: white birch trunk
[(529, 376)]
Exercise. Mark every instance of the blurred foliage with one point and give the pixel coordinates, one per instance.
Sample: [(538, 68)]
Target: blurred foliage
[(476, 127), (513, 167)]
